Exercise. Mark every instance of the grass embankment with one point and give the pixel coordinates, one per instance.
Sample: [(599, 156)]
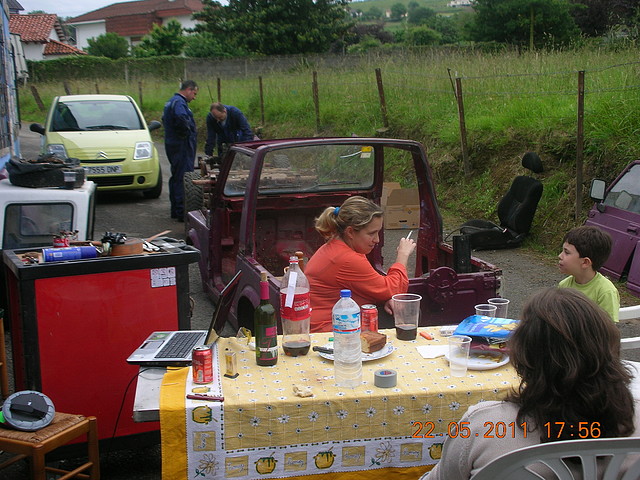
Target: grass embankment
[(513, 103)]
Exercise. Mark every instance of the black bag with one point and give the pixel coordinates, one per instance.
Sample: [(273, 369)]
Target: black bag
[(46, 171)]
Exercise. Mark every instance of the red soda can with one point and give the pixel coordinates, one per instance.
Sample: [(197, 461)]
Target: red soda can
[(369, 318), (202, 364)]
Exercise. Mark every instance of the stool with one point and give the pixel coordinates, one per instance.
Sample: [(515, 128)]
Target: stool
[(59, 432), (4, 377)]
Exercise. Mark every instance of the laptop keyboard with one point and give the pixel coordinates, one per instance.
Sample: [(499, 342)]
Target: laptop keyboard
[(179, 345)]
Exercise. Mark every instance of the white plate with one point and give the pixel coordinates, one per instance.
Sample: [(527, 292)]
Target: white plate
[(484, 361), (386, 350)]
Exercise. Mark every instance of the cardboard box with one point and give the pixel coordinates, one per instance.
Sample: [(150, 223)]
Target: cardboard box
[(401, 206)]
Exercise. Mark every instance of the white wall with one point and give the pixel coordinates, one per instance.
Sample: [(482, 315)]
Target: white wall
[(33, 51), (184, 20), (85, 31)]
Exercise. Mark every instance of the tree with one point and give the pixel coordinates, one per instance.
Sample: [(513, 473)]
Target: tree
[(398, 10), (524, 22), (109, 45), (421, 36), (205, 45), (420, 15), (374, 13), (596, 17), (275, 26), (162, 40)]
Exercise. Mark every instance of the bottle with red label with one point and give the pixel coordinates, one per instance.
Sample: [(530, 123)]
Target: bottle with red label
[(295, 311), (265, 327)]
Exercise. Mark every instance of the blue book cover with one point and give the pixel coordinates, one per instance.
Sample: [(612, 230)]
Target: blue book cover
[(482, 326)]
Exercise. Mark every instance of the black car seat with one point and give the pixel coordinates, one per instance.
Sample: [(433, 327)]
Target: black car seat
[(515, 212)]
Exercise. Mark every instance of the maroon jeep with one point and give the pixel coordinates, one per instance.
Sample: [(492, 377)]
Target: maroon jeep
[(617, 211), (261, 202)]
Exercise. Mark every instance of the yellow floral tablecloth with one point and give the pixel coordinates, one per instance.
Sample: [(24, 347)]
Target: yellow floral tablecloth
[(267, 431)]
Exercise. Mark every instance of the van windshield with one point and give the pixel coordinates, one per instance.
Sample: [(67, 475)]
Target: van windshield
[(625, 194)]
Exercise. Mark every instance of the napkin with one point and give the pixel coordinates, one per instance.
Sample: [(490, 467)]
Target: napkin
[(432, 351)]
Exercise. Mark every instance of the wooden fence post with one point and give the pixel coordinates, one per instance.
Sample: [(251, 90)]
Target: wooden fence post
[(463, 128), (97, 89), (67, 88), (383, 102), (580, 144), (140, 93), (36, 96), (316, 100), (261, 101), (219, 90)]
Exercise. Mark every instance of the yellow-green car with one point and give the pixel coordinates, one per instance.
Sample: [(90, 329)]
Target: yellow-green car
[(110, 137)]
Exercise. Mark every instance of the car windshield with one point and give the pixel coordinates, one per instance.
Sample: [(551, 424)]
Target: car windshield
[(92, 115), (625, 194), (315, 168)]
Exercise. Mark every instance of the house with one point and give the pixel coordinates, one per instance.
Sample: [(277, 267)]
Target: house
[(42, 36), (133, 20), (459, 3)]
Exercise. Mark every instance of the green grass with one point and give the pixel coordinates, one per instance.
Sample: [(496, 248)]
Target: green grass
[(513, 103)]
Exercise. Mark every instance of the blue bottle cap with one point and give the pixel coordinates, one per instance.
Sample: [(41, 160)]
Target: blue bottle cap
[(345, 293)]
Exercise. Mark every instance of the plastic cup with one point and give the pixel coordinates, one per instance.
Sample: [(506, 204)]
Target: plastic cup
[(502, 306), (486, 309), (459, 355), (406, 312)]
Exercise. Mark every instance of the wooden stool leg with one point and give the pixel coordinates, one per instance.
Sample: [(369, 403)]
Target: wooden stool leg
[(37, 463), (4, 377), (94, 453)]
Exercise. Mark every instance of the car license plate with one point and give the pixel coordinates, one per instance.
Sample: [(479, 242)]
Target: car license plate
[(106, 169)]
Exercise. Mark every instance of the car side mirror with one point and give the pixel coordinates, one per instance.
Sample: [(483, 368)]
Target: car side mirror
[(36, 127), (596, 192), (153, 125)]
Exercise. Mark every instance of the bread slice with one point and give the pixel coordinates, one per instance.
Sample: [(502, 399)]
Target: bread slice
[(372, 341)]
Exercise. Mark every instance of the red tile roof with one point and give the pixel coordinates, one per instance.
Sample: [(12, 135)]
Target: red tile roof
[(160, 8), (36, 27), (58, 48)]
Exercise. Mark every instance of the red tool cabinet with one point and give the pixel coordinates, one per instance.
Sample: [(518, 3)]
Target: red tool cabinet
[(74, 323)]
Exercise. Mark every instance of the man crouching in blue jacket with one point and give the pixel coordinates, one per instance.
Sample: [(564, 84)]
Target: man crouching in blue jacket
[(225, 125)]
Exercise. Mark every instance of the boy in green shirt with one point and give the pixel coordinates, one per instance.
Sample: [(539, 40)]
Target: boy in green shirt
[(584, 251)]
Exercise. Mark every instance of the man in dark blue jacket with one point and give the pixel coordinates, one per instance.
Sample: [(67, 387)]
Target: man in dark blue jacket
[(225, 125), (180, 138)]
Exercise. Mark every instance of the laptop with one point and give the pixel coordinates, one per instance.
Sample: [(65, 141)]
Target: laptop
[(174, 348)]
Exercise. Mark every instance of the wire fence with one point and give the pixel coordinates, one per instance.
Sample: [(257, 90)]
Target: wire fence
[(419, 92)]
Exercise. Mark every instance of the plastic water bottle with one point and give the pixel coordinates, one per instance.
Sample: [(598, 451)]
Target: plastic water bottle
[(347, 350)]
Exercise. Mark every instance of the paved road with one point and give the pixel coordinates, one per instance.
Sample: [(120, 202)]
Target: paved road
[(130, 213)]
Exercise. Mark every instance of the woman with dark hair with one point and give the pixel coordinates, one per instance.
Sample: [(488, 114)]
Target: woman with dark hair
[(573, 385), (352, 231)]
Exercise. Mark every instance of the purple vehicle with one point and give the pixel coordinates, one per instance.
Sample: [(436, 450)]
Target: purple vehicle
[(617, 211), (262, 200)]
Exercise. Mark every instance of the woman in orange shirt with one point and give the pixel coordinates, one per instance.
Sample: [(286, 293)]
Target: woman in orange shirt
[(352, 231)]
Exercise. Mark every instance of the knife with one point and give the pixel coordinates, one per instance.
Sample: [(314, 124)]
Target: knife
[(323, 350)]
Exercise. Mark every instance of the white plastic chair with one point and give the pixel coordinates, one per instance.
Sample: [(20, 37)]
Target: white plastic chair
[(516, 465), (628, 313)]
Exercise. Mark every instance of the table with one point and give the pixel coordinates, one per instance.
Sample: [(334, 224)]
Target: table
[(263, 429)]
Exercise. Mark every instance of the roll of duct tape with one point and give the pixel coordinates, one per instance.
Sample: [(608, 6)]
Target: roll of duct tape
[(385, 378)]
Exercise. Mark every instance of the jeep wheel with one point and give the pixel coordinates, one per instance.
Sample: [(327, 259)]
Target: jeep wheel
[(193, 194), (156, 190)]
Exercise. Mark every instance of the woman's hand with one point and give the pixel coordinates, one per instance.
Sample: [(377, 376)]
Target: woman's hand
[(388, 306), (405, 248)]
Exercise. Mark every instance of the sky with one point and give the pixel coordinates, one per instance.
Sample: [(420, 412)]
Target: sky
[(65, 8)]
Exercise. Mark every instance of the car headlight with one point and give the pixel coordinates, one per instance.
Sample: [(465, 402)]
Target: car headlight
[(58, 150), (143, 150)]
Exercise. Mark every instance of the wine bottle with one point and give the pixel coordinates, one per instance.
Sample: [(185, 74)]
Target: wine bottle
[(265, 327)]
